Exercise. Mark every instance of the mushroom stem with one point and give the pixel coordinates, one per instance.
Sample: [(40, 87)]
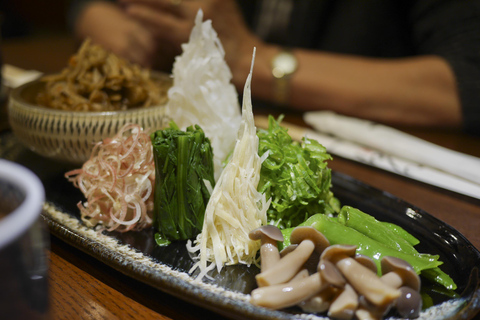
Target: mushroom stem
[(268, 236), (285, 295), (365, 314), (392, 279), (302, 274), (286, 267), (367, 310), (269, 255), (367, 262), (344, 306), (398, 273), (366, 282), (319, 302)]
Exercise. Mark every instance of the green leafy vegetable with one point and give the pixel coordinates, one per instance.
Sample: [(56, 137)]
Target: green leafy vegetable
[(295, 175), (183, 161)]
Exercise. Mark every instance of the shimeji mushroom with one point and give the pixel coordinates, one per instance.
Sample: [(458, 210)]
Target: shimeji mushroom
[(329, 271), (363, 313), (362, 279), (268, 235), (397, 273), (288, 294), (345, 284), (301, 233), (367, 310), (409, 304), (345, 304), (287, 250), (311, 263), (278, 290), (309, 240), (366, 261), (302, 274), (321, 301)]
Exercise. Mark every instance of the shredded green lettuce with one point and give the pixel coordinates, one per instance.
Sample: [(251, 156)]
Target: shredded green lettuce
[(295, 176)]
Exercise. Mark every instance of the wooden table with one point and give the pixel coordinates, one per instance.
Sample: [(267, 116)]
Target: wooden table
[(82, 287)]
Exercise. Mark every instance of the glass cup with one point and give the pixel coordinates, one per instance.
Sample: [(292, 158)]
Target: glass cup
[(24, 245)]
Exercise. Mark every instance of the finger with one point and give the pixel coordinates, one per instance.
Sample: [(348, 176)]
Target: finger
[(156, 19), (164, 5)]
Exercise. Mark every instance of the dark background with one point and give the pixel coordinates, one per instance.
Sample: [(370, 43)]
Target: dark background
[(32, 18)]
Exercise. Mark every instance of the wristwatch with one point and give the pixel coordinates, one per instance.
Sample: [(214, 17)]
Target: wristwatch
[(284, 64)]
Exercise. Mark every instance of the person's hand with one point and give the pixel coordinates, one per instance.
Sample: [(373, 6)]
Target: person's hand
[(171, 22), (108, 25)]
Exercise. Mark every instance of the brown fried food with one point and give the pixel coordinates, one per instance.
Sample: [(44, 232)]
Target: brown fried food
[(98, 80)]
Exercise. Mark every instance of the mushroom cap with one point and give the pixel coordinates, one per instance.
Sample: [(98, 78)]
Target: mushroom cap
[(287, 250), (309, 233), (403, 269), (331, 274), (337, 250), (366, 261), (268, 230), (409, 304)]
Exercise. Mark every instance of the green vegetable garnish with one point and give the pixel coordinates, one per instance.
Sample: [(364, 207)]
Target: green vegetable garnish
[(399, 231), (183, 160), (371, 227), (392, 236), (295, 176)]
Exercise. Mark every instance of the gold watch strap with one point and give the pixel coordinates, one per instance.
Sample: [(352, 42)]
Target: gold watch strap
[(284, 64), (281, 93)]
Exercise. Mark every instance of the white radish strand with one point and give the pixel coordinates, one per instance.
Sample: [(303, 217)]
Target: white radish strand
[(235, 206)]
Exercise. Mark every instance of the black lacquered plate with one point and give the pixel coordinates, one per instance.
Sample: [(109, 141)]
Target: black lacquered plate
[(166, 268)]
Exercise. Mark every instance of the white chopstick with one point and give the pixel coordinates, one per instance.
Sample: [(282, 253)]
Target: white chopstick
[(396, 143), (409, 169)]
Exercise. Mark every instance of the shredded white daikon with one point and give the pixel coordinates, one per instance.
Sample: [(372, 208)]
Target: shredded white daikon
[(235, 207), (202, 92)]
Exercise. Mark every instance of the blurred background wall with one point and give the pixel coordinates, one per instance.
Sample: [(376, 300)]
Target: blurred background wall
[(26, 18)]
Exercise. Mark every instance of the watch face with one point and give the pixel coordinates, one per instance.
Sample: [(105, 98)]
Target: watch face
[(284, 64)]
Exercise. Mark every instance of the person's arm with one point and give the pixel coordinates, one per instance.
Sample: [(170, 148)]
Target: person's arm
[(416, 91), (108, 25), (412, 91)]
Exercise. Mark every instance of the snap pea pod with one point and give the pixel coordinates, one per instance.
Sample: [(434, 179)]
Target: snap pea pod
[(377, 230), (436, 275), (399, 231), (338, 233), (371, 227)]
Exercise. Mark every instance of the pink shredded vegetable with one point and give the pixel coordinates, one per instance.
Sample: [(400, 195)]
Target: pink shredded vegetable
[(118, 181)]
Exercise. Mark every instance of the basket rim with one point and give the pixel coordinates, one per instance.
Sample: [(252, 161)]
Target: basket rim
[(17, 101)]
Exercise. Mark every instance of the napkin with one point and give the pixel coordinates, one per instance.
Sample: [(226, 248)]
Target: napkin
[(13, 77), (395, 151)]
